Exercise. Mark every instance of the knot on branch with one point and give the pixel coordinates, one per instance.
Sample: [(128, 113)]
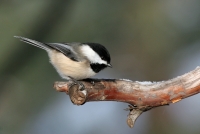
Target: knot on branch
[(76, 95)]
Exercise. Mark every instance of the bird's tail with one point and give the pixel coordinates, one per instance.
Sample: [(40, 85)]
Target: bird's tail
[(34, 43)]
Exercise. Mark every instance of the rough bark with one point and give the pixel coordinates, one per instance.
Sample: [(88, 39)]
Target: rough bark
[(141, 96)]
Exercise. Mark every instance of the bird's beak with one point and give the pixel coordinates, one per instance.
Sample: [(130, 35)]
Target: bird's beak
[(109, 65)]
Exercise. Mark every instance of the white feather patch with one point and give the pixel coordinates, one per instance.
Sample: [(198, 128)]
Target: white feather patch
[(92, 55)]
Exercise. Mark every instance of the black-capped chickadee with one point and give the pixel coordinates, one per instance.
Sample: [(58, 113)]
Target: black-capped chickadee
[(74, 61)]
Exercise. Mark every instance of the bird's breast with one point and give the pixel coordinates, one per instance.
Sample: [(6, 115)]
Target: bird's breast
[(67, 67)]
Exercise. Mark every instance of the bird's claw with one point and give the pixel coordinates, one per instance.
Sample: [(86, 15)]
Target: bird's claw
[(92, 82), (81, 87)]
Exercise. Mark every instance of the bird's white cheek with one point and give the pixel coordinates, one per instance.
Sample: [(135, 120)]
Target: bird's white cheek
[(66, 67), (91, 55)]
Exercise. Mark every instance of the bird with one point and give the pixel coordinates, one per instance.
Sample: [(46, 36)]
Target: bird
[(74, 61)]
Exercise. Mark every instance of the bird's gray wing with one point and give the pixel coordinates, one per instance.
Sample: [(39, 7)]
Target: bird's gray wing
[(34, 43), (64, 48)]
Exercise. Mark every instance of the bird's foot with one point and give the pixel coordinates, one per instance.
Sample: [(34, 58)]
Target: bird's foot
[(92, 82), (81, 87)]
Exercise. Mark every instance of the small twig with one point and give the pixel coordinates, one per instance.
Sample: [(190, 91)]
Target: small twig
[(141, 95)]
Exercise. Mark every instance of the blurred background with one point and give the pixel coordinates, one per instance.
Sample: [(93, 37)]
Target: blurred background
[(148, 41)]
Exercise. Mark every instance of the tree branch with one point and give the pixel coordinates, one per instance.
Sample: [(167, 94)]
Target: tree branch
[(142, 96)]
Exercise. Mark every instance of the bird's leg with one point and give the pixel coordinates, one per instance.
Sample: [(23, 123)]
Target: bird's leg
[(81, 87)]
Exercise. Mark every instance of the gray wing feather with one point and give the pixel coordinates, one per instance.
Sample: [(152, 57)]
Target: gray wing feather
[(64, 48), (67, 50), (34, 43)]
